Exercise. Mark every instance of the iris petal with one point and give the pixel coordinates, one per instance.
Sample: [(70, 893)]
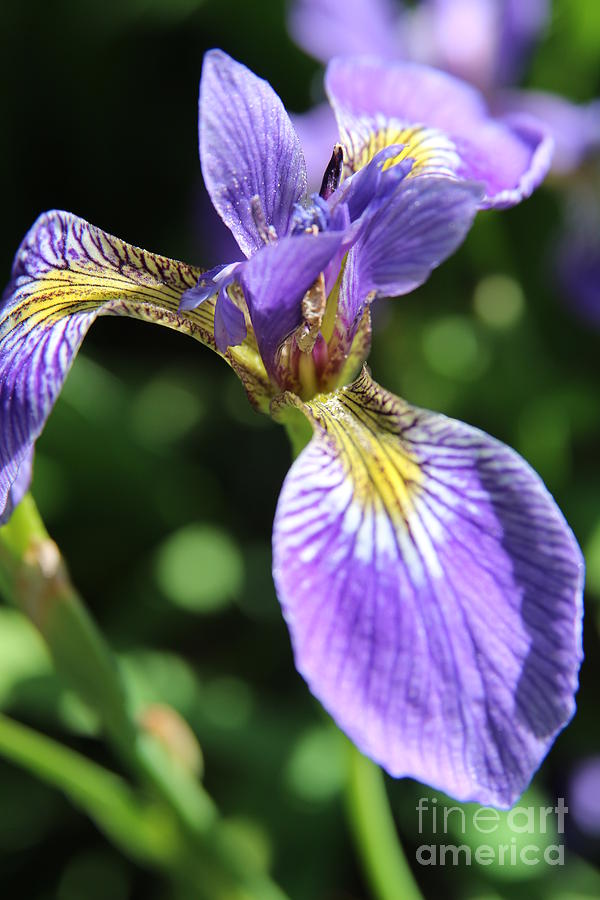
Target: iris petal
[(248, 149), (16, 491), (418, 226), (433, 593), (65, 274), (443, 123), (575, 127), (423, 222)]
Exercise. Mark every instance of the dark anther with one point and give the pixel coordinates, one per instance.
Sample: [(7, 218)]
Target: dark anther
[(333, 173)]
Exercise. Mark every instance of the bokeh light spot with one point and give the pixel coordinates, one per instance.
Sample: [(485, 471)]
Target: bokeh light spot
[(200, 568), (164, 412), (316, 768), (499, 301), (453, 348), (228, 702)]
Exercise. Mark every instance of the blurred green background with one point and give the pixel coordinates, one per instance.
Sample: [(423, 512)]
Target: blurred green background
[(159, 483)]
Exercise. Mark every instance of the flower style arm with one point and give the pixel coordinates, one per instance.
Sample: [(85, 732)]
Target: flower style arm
[(432, 590), (421, 223), (65, 274)]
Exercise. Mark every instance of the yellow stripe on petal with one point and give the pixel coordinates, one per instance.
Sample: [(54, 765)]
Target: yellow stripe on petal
[(67, 267), (362, 422), (432, 590), (432, 151)]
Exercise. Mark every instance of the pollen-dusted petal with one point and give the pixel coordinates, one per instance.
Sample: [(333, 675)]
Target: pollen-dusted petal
[(433, 593), (65, 274), (443, 123), (248, 149)]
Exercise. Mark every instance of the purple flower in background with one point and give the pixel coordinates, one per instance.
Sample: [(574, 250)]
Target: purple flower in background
[(485, 42), (584, 795), (431, 586), (576, 256)]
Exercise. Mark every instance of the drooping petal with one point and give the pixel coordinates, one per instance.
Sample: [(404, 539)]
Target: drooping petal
[(248, 149), (15, 492), (443, 123), (575, 127), (418, 227), (433, 593), (275, 281), (328, 28), (65, 274)]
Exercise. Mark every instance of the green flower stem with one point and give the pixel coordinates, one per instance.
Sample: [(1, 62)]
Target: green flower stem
[(374, 832), (34, 578), (144, 832), (369, 814)]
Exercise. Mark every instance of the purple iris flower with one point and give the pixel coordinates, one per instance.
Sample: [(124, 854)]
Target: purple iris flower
[(584, 795), (431, 586), (576, 256), (485, 42)]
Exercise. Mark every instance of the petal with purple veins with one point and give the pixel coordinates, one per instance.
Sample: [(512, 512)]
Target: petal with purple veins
[(248, 150), (66, 273), (443, 123), (417, 228), (433, 592), (18, 488)]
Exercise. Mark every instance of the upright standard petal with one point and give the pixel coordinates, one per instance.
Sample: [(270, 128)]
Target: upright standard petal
[(250, 154), (433, 593), (65, 274), (443, 123)]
